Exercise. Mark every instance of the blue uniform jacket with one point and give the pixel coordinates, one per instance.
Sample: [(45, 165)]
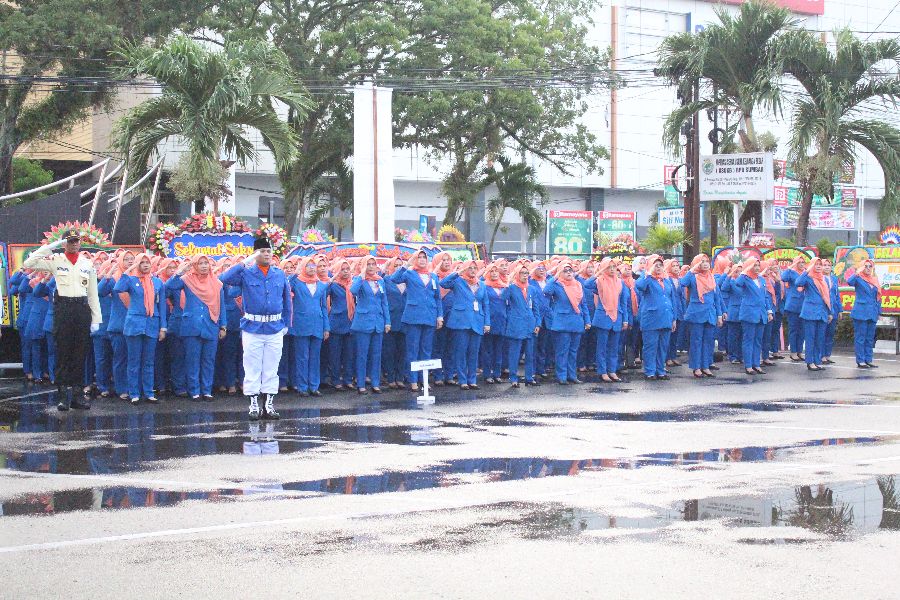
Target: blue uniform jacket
[(268, 294), (396, 302), (601, 320), (522, 314), (25, 298), (793, 300), (836, 307), (372, 311), (590, 288), (562, 316), (232, 310), (310, 310), (655, 306), (136, 320), (40, 304), (105, 309), (813, 308), (498, 309), (756, 305), (707, 311), (735, 298), (422, 299), (117, 308), (195, 318), (542, 300), (866, 306), (48, 318), (470, 310), (338, 318), (678, 299)]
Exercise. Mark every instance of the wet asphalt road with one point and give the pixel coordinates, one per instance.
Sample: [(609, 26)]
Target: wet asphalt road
[(750, 486)]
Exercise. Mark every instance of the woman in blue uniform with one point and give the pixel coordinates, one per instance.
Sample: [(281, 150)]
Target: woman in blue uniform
[(117, 311), (721, 267), (585, 274), (733, 326), (612, 316), (394, 349), (671, 268), (202, 322), (40, 303), (341, 365), (287, 373), (703, 315), (51, 338), (756, 312), (657, 317), (568, 321), (442, 266), (469, 320), (523, 317), (101, 345), (494, 341), (768, 273), (310, 325), (865, 312), (228, 356), (793, 303), (371, 320), (836, 310), (25, 294), (629, 349), (815, 311), (423, 314), (543, 348), (145, 325)]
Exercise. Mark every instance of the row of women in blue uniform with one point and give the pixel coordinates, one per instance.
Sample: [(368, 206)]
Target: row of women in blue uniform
[(466, 317)]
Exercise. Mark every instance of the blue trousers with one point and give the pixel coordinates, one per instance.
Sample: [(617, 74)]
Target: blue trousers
[(814, 339), (494, 357), (828, 343), (703, 341), (775, 334), (141, 357), (307, 362), (656, 345), (863, 340), (119, 362), (735, 344), (340, 358), (795, 332), (722, 337), (587, 348), (751, 344), (443, 349), (200, 364), (515, 350), (565, 345), (228, 359), (287, 370), (102, 362), (25, 346), (630, 348), (394, 356), (51, 356), (419, 346), (543, 352), (177, 369), (39, 357), (672, 352), (161, 366), (466, 347), (368, 357), (606, 350), (768, 332)]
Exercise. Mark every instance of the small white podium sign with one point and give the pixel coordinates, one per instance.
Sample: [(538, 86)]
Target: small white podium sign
[(425, 366)]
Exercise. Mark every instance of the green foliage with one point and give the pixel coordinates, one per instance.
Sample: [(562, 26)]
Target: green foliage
[(706, 247), (831, 117), (662, 239), (517, 189), (843, 333), (785, 242), (192, 183), (65, 40), (890, 517), (27, 175), (826, 248), (333, 193), (208, 99)]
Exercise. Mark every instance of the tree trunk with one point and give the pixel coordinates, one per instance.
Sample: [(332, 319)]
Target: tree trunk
[(806, 200), (6, 174), (494, 232), (713, 228)]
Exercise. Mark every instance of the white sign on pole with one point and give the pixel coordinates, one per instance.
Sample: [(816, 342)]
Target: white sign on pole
[(736, 177), (425, 366)]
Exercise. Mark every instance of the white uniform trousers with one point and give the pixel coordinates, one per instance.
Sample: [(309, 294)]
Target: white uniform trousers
[(262, 353)]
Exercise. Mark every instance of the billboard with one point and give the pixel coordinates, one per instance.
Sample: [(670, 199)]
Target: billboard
[(381, 251), (847, 260), (212, 245), (673, 217), (570, 232), (803, 7), (839, 219), (737, 177), (784, 256), (613, 223)]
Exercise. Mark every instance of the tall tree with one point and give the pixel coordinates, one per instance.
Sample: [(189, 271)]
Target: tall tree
[(838, 114), (209, 98), (735, 61), (55, 56), (508, 75), (517, 189), (333, 193)]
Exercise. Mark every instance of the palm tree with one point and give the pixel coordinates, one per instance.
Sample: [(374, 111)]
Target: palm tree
[(333, 193), (517, 188), (830, 121), (735, 63), (208, 99)]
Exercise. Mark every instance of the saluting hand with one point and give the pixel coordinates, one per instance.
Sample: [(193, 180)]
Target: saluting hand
[(248, 262)]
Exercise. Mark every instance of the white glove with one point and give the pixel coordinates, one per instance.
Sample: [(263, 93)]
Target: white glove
[(56, 244), (95, 327), (250, 259), (284, 331)]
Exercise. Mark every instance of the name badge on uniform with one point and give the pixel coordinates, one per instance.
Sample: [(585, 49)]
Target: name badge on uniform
[(475, 305), (433, 284), (530, 304)]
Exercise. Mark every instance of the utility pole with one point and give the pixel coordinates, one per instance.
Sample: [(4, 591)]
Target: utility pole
[(692, 192)]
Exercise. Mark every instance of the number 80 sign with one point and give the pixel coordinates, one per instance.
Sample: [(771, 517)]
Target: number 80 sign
[(569, 231)]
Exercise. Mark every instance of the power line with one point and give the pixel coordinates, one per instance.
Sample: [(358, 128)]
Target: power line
[(890, 12)]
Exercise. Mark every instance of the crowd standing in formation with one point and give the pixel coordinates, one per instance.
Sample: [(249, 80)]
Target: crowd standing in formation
[(189, 328)]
